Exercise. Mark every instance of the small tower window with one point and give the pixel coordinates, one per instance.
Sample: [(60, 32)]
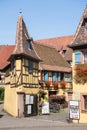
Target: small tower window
[(30, 66), (12, 66), (29, 45), (86, 27)]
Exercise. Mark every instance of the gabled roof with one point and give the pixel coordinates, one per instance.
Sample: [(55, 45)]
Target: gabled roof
[(22, 41), (51, 59), (59, 43), (80, 37), (5, 52)]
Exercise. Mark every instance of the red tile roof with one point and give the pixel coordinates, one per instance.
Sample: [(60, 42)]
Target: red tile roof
[(5, 52), (68, 55), (59, 43)]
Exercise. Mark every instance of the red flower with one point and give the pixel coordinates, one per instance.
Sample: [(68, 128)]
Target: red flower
[(55, 84), (48, 83), (63, 84)]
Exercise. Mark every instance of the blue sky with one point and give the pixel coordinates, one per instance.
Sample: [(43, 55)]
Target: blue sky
[(43, 18)]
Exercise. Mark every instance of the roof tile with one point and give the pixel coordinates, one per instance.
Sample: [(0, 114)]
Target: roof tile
[(50, 58), (59, 43), (5, 52)]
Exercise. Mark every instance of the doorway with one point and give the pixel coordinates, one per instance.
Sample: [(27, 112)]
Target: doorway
[(30, 105)]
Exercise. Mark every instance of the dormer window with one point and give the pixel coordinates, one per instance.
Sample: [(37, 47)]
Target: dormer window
[(29, 45), (86, 27)]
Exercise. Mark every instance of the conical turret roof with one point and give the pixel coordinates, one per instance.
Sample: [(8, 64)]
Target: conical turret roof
[(23, 42)]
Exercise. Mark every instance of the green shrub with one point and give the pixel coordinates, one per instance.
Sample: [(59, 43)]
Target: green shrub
[(1, 93)]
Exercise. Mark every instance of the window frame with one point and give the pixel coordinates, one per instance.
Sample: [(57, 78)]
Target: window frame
[(77, 57), (83, 102)]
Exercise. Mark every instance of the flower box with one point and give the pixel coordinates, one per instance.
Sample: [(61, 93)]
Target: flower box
[(55, 85), (63, 84), (48, 83)]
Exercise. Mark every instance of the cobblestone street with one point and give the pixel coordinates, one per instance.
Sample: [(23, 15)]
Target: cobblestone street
[(40, 122), (59, 116)]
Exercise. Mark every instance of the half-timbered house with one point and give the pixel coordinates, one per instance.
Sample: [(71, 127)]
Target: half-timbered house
[(21, 80), (79, 66)]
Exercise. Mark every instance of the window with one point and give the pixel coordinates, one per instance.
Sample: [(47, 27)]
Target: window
[(60, 76), (77, 57), (86, 27), (85, 101), (45, 75), (12, 66), (0, 77), (53, 76), (85, 57), (30, 66), (29, 45), (64, 51), (70, 78)]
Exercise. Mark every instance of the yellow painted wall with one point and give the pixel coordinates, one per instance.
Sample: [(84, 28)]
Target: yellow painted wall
[(30, 90), (77, 90), (15, 85), (10, 100)]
